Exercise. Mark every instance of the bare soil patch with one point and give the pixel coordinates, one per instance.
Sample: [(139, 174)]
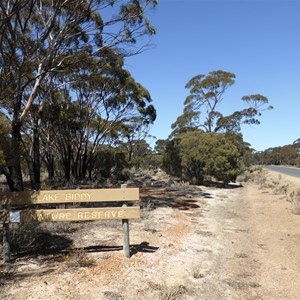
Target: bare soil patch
[(196, 243)]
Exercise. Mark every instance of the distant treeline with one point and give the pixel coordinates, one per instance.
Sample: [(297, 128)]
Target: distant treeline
[(284, 155)]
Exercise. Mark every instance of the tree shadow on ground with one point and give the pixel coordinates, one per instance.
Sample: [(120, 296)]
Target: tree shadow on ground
[(9, 274), (44, 244), (49, 247), (179, 199), (45, 248), (54, 248)]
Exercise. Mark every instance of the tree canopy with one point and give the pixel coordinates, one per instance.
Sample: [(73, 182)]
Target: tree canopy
[(201, 107), (204, 141), (193, 156), (66, 59)]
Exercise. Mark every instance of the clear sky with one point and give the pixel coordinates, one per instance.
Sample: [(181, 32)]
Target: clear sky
[(258, 40)]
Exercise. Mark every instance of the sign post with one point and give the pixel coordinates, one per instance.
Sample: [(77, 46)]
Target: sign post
[(125, 225), (19, 199), (6, 236), (126, 243)]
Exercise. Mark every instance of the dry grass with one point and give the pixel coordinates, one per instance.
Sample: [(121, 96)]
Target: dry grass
[(78, 258), (147, 217), (171, 293), (294, 198), (276, 184), (160, 292)]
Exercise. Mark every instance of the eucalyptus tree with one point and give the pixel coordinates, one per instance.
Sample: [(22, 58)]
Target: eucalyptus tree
[(41, 39), (102, 100), (201, 107), (133, 135), (205, 141)]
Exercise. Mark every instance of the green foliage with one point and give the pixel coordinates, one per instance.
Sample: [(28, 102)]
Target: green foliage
[(171, 158), (104, 163), (206, 95), (109, 163), (206, 142), (194, 155), (160, 146), (153, 161)]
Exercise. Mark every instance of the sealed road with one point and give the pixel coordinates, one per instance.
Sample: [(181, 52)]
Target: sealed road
[(284, 170)]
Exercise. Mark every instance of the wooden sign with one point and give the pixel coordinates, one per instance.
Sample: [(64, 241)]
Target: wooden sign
[(79, 214), (10, 214), (69, 196)]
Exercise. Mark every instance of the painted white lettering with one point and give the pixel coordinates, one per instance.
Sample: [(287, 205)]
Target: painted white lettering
[(77, 197), (50, 198), (80, 215), (53, 216)]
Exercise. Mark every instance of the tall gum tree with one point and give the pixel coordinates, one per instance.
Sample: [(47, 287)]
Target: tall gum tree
[(102, 101), (41, 39), (206, 142), (201, 107)]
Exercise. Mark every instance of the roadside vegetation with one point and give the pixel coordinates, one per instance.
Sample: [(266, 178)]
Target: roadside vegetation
[(277, 186)]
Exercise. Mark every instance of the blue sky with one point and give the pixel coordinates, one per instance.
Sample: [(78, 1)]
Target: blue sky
[(258, 40)]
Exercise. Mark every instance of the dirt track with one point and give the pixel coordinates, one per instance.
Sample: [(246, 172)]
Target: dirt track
[(239, 243), (259, 256)]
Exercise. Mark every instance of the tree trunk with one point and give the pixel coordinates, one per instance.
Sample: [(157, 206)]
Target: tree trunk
[(36, 159), (8, 179), (30, 165), (48, 159), (15, 163), (33, 161), (50, 167), (67, 162), (84, 165)]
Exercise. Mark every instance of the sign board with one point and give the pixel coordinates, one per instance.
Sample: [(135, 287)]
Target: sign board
[(79, 214), (69, 196), (10, 199)]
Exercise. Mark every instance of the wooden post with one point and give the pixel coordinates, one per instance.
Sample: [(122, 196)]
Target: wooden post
[(6, 239), (126, 242), (125, 226)]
